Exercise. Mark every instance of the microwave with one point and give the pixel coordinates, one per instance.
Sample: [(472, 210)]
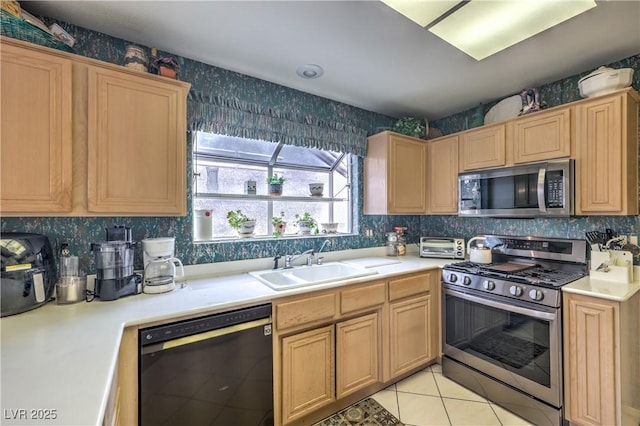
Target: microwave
[(442, 247), (532, 190)]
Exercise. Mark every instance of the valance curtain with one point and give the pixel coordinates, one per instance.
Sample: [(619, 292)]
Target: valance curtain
[(233, 117)]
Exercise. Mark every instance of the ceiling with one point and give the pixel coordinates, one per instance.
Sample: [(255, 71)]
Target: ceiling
[(373, 57)]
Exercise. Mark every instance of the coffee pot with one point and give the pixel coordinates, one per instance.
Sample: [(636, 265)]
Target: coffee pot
[(160, 275)]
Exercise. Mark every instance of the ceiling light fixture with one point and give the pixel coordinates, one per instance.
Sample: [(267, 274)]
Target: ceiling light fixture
[(481, 28), (309, 71)]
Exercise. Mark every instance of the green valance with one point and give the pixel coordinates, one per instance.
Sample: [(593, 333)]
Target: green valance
[(233, 117)]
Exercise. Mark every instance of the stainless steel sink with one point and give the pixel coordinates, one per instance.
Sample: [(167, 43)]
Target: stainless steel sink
[(302, 276)]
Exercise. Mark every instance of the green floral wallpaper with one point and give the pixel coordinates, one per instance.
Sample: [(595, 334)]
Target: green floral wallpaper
[(80, 232)]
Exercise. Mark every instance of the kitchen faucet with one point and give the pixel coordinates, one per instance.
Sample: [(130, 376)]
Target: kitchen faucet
[(288, 259), (325, 243)]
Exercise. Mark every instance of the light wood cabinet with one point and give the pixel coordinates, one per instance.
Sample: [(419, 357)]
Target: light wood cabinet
[(483, 147), (357, 354), (105, 140), (602, 349), (122, 403), (607, 155), (136, 144), (541, 136), (307, 372), (36, 134), (442, 172), (395, 175)]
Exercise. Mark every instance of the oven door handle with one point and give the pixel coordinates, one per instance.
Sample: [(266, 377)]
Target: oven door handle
[(204, 336), (504, 306)]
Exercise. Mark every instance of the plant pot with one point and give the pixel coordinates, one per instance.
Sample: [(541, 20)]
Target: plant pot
[(316, 189), (275, 189), (304, 227), (167, 72), (279, 229), (247, 228)]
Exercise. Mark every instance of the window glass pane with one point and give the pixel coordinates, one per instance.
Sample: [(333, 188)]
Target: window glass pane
[(297, 181), (319, 211), (223, 178), (255, 209), (309, 157), (235, 148)]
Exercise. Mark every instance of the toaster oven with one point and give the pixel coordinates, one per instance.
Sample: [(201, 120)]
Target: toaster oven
[(443, 247)]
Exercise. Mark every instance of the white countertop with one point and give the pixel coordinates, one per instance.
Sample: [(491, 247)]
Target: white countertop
[(62, 357), (602, 289)]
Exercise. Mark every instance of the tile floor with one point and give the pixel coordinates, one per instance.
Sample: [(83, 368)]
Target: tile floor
[(428, 398)]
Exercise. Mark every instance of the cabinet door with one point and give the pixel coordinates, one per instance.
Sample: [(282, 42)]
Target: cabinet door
[(36, 133), (411, 335), (442, 155), (357, 354), (483, 148), (542, 136), (589, 349), (607, 155), (136, 144), (307, 372), (407, 175)]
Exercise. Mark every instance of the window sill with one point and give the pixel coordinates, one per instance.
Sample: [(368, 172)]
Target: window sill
[(265, 197), (271, 238)]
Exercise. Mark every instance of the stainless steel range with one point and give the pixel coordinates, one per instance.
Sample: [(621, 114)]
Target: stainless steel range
[(502, 323)]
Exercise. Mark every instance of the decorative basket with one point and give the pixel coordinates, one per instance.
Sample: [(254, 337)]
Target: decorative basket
[(14, 27)]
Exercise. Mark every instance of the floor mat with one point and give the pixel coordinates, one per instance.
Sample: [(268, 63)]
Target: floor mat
[(364, 413)]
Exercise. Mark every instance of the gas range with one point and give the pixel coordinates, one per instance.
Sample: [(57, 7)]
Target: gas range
[(529, 269)]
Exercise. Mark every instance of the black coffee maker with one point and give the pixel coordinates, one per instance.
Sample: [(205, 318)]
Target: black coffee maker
[(114, 260)]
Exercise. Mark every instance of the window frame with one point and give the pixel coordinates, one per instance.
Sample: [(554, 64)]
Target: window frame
[(329, 198)]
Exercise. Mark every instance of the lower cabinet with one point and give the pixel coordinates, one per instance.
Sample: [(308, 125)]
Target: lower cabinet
[(602, 360), (338, 345), (357, 354)]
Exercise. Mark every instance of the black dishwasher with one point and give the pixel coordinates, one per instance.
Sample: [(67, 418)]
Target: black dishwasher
[(215, 370)]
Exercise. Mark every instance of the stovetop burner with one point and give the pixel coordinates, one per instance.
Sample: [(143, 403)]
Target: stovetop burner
[(519, 272)]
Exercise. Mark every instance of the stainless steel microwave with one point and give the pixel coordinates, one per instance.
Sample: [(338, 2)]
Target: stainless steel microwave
[(531, 190)]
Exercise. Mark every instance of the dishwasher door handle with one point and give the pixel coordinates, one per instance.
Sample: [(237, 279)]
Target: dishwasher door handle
[(169, 344)]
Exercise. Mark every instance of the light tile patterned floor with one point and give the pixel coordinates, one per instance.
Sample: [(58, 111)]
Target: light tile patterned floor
[(428, 398)]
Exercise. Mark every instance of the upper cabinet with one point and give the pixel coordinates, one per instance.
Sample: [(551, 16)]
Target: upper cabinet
[(136, 144), (483, 147), (442, 175), (35, 169), (111, 140), (395, 175), (541, 136), (607, 155)]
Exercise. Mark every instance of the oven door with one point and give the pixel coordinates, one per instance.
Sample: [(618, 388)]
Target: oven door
[(511, 342)]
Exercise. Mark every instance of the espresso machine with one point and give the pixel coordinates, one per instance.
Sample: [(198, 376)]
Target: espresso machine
[(114, 260)]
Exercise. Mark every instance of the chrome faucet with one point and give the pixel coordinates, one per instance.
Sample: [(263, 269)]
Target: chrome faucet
[(288, 259), (325, 243)]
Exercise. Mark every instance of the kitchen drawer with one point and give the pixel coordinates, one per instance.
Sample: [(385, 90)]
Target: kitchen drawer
[(411, 285), (362, 297), (308, 310)]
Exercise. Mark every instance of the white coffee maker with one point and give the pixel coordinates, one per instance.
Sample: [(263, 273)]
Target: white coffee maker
[(161, 268)]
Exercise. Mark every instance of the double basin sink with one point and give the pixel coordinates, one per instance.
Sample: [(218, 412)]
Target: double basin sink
[(302, 276)]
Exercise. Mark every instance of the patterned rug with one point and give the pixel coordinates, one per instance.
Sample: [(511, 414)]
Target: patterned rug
[(364, 413)]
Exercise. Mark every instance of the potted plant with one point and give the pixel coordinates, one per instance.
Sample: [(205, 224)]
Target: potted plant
[(241, 223), (409, 126), (306, 224), (167, 67), (279, 225), (275, 184)]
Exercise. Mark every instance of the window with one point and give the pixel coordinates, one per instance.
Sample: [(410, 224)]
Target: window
[(226, 167)]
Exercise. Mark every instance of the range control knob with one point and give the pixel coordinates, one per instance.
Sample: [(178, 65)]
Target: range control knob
[(488, 285), (515, 290), (453, 278), (536, 295), (466, 281)]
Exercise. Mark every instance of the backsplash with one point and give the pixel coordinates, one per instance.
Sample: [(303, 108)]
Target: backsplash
[(80, 232)]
